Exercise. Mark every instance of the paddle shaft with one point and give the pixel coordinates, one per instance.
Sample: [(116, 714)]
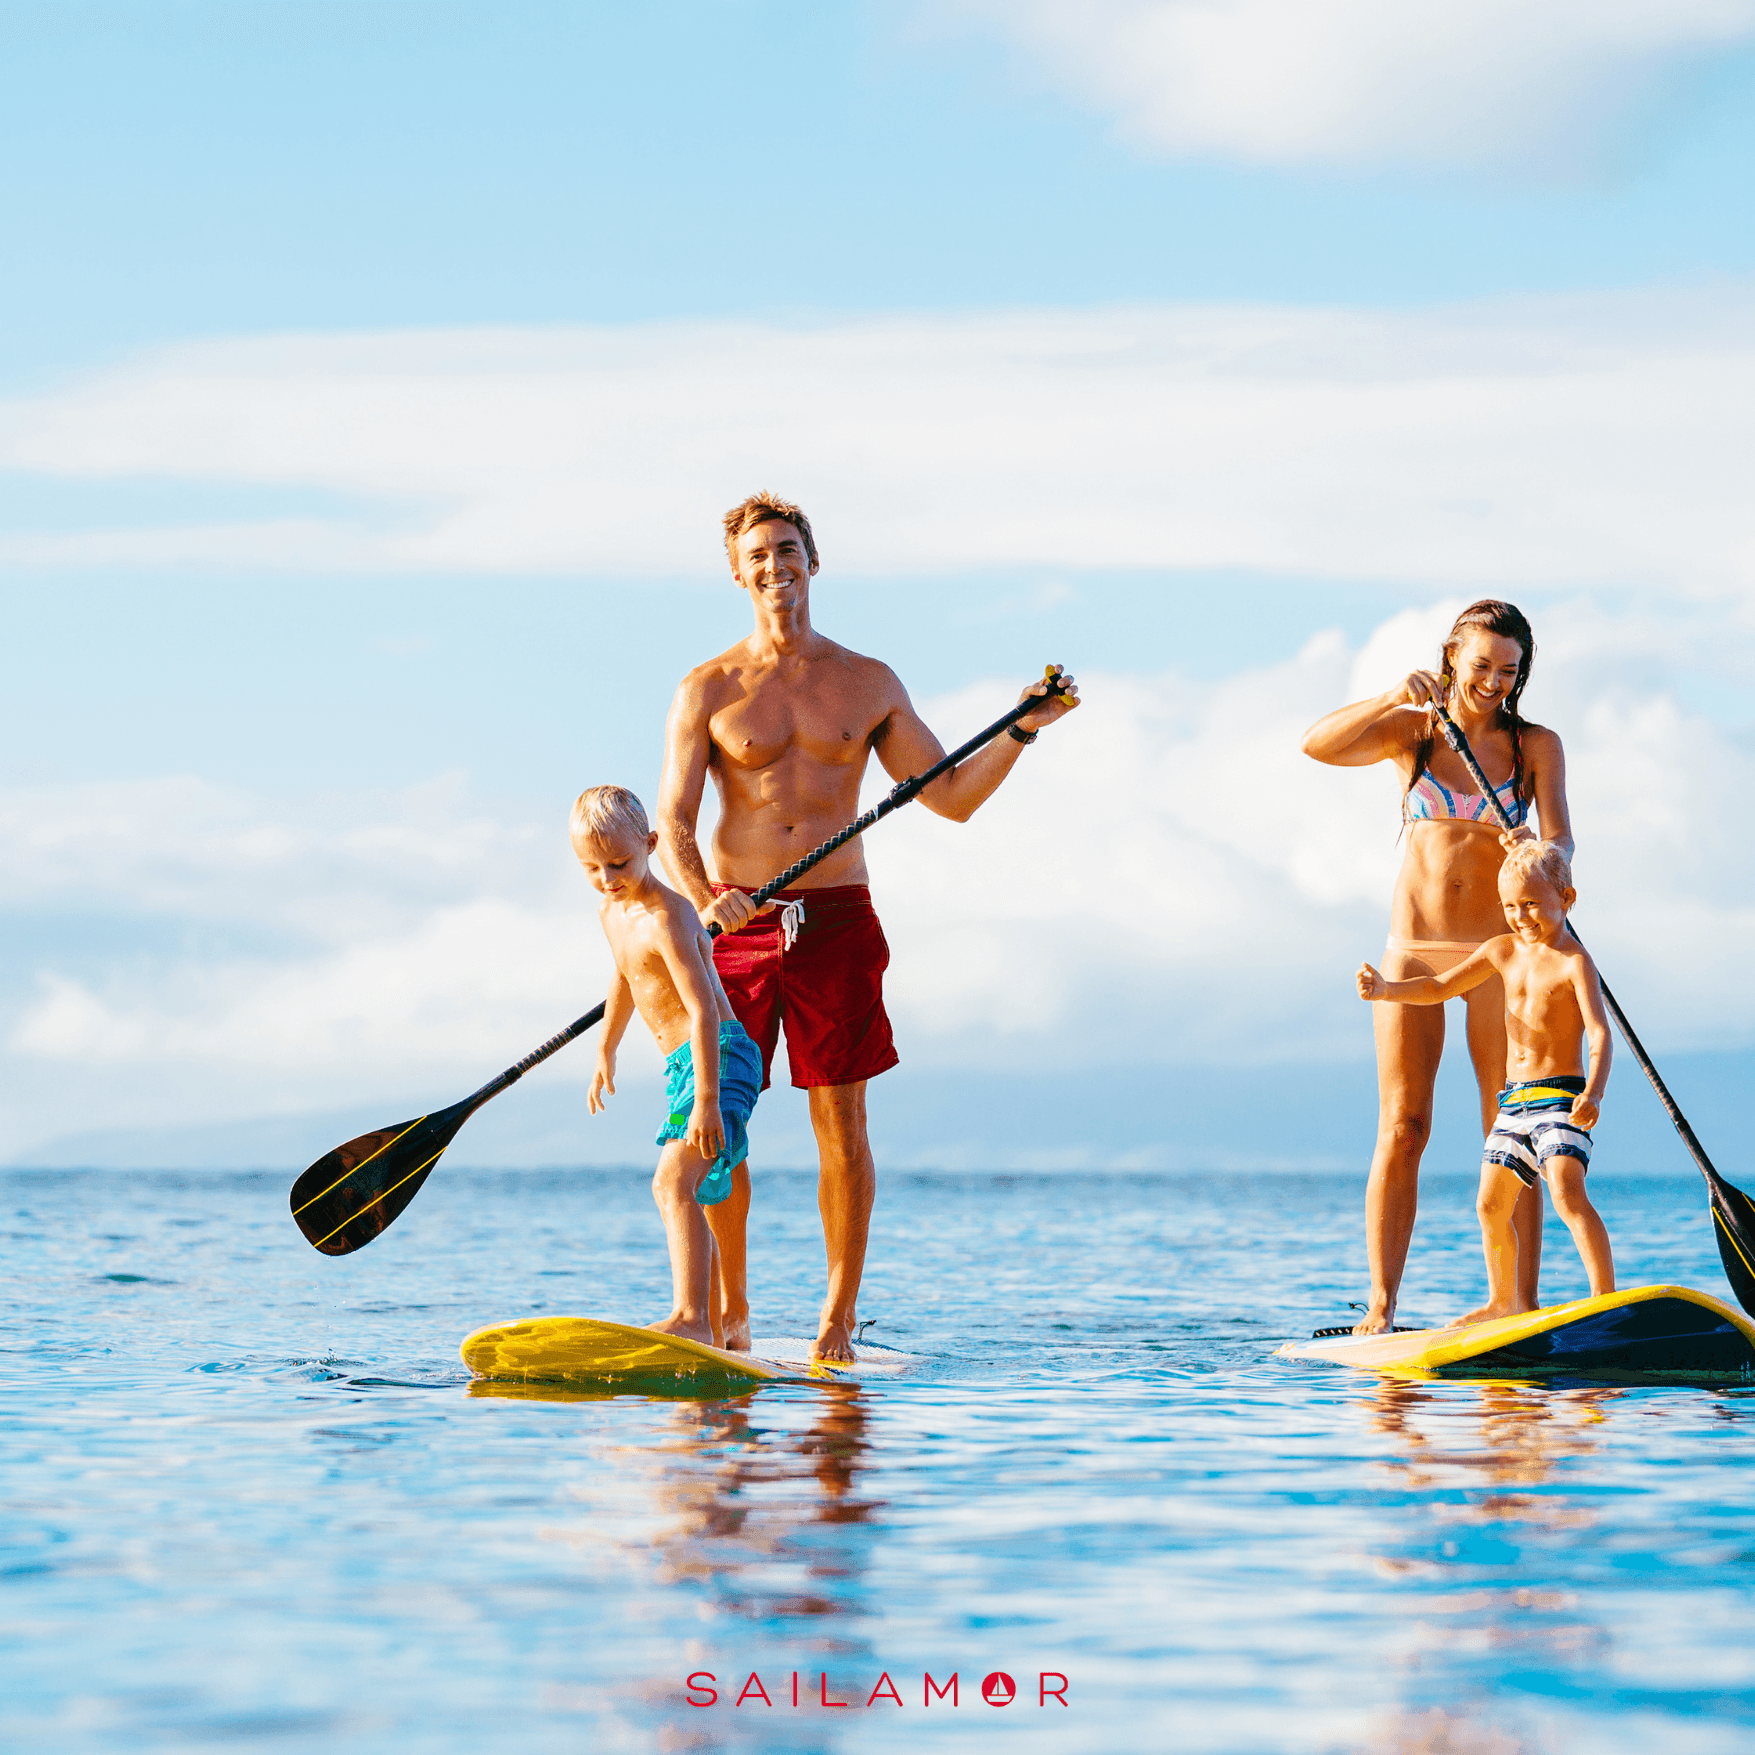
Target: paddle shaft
[(902, 793), (1453, 736)]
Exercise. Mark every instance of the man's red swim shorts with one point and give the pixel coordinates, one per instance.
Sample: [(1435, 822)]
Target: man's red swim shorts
[(828, 989)]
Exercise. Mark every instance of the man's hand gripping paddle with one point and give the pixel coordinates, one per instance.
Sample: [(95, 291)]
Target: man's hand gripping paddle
[(1733, 1212), (354, 1192)]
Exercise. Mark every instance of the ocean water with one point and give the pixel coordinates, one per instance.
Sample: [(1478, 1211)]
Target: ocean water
[(253, 1500)]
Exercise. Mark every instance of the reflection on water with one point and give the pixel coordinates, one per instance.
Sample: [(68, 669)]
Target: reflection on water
[(1488, 1466), (740, 1505), (758, 1515), (1439, 1732), (265, 1503), (1504, 1438), (717, 1497)]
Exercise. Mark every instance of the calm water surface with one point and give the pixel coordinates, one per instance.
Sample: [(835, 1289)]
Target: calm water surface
[(252, 1498)]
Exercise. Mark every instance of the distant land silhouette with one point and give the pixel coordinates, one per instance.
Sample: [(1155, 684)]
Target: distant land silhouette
[(1302, 1116)]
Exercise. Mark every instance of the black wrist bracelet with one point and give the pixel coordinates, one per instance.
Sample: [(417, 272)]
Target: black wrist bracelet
[(1012, 731)]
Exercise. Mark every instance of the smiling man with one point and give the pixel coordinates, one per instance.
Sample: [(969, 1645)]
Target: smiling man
[(785, 722)]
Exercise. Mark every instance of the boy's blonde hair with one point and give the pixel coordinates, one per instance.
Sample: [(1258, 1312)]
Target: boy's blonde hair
[(601, 808), (1545, 858)]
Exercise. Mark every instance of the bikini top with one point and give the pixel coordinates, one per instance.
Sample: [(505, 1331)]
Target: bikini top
[(1428, 800)]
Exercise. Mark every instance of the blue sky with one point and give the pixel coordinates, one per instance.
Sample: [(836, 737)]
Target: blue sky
[(371, 376), (232, 166)]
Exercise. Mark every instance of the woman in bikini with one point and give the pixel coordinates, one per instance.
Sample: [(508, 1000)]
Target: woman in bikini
[(1446, 899)]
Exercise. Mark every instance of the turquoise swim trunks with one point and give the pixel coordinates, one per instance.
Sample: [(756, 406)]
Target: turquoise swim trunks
[(740, 1084)]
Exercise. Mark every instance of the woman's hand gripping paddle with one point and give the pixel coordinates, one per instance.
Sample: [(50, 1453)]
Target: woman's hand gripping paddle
[(356, 1191), (1733, 1212)]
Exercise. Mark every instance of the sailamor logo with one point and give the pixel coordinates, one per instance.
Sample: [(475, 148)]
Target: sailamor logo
[(818, 1689)]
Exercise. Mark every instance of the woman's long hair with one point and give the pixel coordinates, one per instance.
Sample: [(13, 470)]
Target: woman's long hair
[(1491, 617)]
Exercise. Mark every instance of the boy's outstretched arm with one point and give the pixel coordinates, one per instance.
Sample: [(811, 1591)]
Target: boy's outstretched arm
[(1477, 967), (680, 940), (1587, 1105), (618, 1012)]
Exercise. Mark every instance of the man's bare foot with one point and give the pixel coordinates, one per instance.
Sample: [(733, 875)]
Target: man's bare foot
[(737, 1333), (688, 1331), (1379, 1319), (1487, 1313), (834, 1341)]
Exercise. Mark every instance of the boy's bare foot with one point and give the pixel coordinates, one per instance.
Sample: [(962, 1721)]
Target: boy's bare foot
[(688, 1331), (737, 1333), (1487, 1313), (834, 1340), (1379, 1319)]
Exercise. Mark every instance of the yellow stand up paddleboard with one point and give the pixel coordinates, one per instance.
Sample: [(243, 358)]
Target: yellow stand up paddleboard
[(1663, 1331), (581, 1349)]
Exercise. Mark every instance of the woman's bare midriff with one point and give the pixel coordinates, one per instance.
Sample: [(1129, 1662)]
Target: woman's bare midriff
[(1448, 887)]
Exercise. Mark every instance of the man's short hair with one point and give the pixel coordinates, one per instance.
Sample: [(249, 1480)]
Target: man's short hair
[(608, 808), (1545, 858), (766, 508)]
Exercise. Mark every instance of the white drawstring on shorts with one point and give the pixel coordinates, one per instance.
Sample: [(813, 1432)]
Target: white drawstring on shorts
[(791, 919)]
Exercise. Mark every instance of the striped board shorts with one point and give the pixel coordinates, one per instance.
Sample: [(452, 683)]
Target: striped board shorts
[(1535, 1124)]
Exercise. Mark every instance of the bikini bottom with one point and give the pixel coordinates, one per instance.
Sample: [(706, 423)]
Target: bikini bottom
[(1440, 955)]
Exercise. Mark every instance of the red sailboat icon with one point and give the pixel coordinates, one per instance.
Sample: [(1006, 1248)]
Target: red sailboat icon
[(999, 1689)]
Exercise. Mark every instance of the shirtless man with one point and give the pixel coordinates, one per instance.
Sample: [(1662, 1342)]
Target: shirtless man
[(785, 722)]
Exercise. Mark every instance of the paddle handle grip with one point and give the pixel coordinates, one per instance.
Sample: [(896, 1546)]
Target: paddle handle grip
[(904, 792), (1453, 735)]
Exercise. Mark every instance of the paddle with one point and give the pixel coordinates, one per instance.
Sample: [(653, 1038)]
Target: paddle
[(354, 1192), (1732, 1211)]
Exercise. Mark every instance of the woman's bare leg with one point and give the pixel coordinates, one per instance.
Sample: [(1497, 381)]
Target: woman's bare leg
[(1410, 1041), (1487, 1049)]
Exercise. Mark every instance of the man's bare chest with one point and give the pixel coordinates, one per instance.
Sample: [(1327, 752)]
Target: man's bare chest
[(822, 726)]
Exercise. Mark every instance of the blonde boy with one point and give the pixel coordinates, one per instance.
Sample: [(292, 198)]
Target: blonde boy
[(1553, 1005), (664, 971)]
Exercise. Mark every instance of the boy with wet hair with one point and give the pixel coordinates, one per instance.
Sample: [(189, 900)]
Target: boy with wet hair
[(664, 971), (1553, 1006)]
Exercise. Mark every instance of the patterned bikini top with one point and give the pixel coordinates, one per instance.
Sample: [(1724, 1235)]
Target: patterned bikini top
[(1429, 800)]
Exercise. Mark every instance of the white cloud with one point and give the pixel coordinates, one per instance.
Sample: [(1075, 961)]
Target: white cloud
[(323, 869), (1165, 878), (1366, 81), (316, 948), (1599, 440), (1168, 877)]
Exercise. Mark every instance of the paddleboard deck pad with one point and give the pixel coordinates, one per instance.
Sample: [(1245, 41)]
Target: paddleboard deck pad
[(586, 1350), (1663, 1331)]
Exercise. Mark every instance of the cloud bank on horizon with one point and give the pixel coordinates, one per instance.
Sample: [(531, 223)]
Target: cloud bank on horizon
[(1542, 83), (1166, 879), (1545, 443), (301, 954)]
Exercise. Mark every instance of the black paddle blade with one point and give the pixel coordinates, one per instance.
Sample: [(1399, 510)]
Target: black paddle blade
[(351, 1194), (1733, 1224)]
